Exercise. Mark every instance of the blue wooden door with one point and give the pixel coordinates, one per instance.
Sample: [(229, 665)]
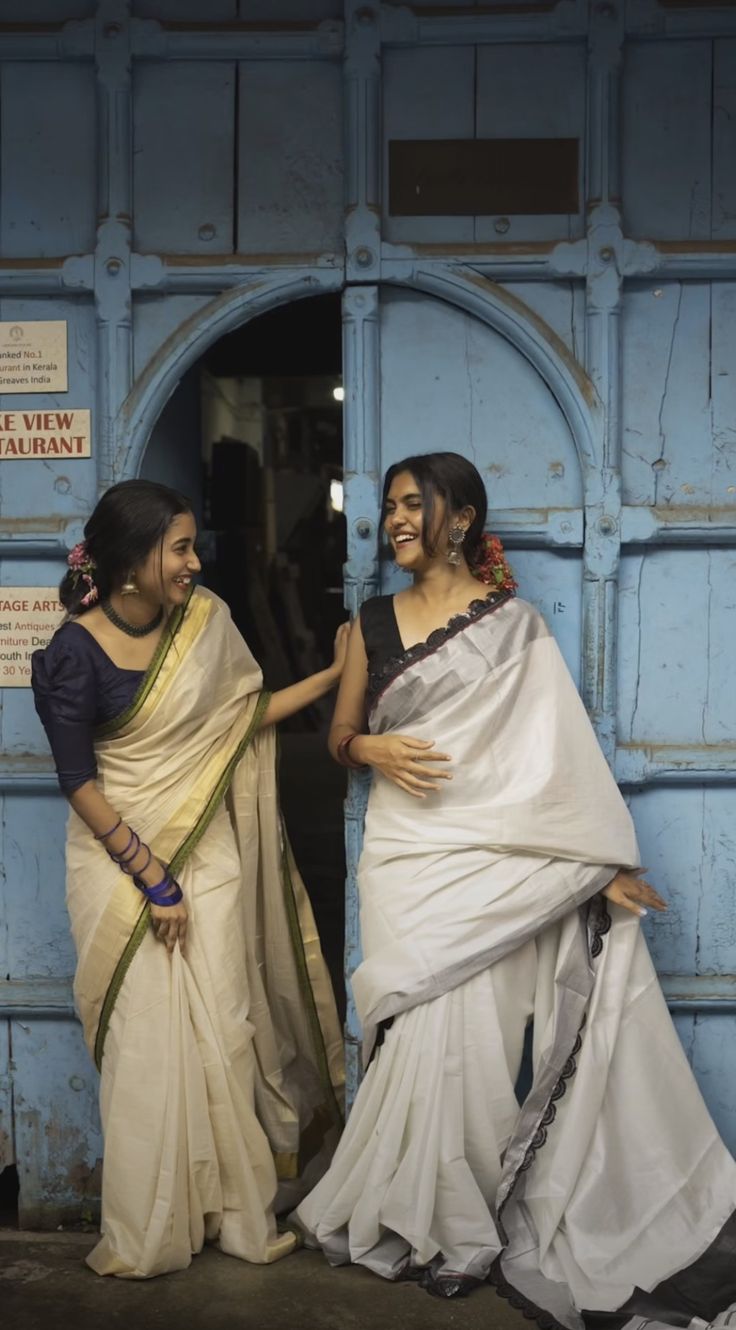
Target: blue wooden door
[(171, 168)]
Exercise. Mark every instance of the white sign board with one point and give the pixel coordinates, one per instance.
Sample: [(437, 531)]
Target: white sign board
[(29, 434), (29, 616), (33, 357)]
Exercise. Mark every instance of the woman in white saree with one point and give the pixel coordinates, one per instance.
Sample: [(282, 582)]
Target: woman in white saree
[(220, 1060), (499, 885)]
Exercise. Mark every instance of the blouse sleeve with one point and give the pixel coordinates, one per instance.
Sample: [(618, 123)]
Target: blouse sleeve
[(65, 693), (380, 632)]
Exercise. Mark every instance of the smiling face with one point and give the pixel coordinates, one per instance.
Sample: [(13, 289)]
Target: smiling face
[(404, 523), (166, 574)]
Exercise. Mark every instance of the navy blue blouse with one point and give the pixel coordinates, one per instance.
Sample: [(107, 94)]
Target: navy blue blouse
[(76, 686)]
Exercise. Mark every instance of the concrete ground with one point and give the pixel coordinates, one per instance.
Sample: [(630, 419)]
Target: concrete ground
[(44, 1285)]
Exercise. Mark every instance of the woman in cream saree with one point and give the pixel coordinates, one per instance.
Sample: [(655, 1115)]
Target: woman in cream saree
[(221, 1063), (606, 1198)]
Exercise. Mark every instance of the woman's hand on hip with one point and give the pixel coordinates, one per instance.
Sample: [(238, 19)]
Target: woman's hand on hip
[(629, 889), (169, 924), (409, 763)]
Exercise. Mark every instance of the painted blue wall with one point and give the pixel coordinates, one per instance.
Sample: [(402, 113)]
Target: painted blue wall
[(161, 184)]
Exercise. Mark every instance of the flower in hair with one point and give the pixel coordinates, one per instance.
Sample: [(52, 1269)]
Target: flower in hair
[(491, 566), (83, 567)]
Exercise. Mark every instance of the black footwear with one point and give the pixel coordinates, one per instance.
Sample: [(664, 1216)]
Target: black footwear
[(413, 1274), (449, 1285)]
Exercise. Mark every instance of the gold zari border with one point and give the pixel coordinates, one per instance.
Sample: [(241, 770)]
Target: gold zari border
[(217, 789)]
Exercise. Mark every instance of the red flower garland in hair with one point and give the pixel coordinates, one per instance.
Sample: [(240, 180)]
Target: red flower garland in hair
[(491, 567), (83, 565)]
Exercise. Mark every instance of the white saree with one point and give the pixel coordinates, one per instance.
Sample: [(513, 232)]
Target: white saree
[(607, 1197), (221, 1068)]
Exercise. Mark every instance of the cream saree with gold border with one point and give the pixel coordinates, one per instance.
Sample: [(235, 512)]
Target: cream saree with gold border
[(221, 1068)]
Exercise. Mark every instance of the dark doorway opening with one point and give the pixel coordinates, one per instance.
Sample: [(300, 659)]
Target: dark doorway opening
[(9, 1190), (253, 434)]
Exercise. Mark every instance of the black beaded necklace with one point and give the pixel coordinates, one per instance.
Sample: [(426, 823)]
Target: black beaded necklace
[(132, 630)]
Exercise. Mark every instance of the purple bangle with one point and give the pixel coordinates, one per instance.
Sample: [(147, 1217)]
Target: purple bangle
[(123, 861), (158, 893), (107, 834), (148, 860), (172, 898), (116, 858)]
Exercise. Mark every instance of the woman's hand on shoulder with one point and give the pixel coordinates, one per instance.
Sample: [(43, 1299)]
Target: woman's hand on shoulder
[(629, 890), (409, 763), (340, 650)]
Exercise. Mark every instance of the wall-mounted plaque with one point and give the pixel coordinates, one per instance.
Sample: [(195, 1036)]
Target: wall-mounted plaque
[(33, 357), (29, 616), (32, 434), (482, 177)]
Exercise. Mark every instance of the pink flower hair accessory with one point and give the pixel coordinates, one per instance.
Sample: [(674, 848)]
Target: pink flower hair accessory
[(83, 566), (491, 565)]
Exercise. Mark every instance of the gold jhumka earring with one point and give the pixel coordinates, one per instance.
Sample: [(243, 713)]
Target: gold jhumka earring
[(130, 586)]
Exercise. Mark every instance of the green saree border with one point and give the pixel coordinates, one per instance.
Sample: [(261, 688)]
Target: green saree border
[(116, 983), (110, 727), (332, 1106), (179, 857)]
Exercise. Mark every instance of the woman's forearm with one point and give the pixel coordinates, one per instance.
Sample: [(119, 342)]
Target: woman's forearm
[(287, 701), (362, 746), (90, 804)]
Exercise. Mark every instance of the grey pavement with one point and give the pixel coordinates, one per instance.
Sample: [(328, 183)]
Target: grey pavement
[(45, 1285)]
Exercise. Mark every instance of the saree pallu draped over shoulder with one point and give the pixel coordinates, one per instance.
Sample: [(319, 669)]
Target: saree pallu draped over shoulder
[(606, 1199), (221, 1069)]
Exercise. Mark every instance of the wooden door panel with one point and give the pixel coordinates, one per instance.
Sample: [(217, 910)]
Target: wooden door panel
[(47, 159), (290, 175), (667, 119), (184, 131), (676, 611)]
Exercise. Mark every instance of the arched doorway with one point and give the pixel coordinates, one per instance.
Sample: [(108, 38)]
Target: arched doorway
[(253, 435), (428, 356)]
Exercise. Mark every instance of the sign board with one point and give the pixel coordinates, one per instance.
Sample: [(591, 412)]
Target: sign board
[(29, 616), (29, 434), (33, 357)]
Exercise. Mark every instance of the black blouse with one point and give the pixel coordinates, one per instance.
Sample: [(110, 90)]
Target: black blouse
[(76, 686), (386, 653), (380, 632)]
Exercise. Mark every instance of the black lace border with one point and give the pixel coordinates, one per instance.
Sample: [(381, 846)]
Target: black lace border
[(379, 680), (599, 924), (529, 1310)]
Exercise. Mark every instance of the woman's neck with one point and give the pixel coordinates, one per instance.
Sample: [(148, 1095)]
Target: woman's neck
[(136, 610), (441, 583)]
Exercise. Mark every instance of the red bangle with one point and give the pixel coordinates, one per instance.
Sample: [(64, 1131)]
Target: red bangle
[(343, 753)]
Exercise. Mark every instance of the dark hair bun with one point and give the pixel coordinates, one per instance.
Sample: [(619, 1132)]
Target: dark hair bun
[(71, 591), (130, 520)]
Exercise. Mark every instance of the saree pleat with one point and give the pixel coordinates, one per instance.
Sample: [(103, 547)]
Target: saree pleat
[(217, 1074), (481, 908)]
